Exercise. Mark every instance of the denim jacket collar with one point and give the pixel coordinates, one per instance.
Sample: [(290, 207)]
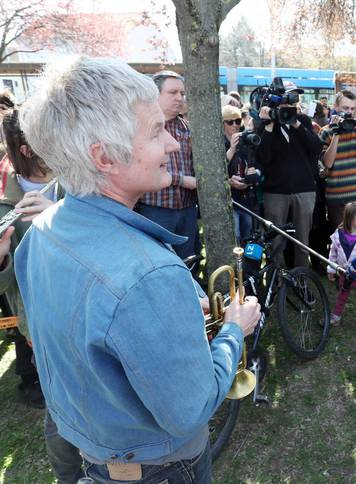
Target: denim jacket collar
[(129, 216)]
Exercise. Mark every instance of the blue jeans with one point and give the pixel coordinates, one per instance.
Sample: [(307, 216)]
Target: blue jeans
[(243, 224), (192, 471), (64, 457), (181, 221)]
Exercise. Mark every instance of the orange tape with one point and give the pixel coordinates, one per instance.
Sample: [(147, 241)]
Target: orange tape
[(10, 322)]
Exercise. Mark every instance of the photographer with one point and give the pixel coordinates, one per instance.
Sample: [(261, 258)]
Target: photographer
[(243, 175), (287, 153), (339, 137)]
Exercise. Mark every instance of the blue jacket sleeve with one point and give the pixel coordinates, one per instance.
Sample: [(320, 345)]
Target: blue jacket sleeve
[(159, 336)]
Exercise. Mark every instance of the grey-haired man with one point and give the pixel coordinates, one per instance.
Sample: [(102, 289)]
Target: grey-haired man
[(114, 315)]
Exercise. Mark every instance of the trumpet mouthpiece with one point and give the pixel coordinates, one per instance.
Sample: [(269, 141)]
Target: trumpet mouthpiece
[(238, 251)]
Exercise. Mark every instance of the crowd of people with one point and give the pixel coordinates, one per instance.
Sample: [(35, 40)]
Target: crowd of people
[(305, 173), (110, 317)]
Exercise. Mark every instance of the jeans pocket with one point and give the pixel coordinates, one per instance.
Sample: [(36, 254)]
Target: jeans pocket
[(177, 473)]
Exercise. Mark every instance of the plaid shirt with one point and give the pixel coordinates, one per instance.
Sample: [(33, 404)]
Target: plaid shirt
[(180, 164)]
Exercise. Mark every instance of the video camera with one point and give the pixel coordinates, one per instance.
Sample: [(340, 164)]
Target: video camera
[(273, 96), (347, 125)]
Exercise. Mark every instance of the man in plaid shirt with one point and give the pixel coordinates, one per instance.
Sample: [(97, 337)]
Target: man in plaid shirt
[(175, 207)]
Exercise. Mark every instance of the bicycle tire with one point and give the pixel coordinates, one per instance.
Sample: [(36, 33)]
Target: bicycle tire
[(222, 424), (303, 312)]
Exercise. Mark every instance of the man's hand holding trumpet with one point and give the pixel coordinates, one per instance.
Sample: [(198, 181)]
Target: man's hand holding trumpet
[(243, 311)]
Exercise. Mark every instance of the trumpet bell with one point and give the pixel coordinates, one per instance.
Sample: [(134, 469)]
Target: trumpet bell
[(244, 383)]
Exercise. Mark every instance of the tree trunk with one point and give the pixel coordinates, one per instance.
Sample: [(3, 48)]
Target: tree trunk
[(198, 27)]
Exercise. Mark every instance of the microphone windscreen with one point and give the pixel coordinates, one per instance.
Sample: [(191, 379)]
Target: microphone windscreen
[(253, 251)]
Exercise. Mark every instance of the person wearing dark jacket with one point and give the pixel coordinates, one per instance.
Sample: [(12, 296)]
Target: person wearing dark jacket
[(287, 154), (239, 165)]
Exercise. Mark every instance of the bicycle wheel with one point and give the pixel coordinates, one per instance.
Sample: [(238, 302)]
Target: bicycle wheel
[(303, 312), (222, 424)]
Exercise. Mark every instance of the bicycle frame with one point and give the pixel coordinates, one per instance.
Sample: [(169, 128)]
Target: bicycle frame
[(269, 296)]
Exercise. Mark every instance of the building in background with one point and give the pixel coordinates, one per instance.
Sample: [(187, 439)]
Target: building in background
[(126, 35)]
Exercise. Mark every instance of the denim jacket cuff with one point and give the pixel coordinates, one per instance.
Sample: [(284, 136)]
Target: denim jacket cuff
[(233, 329)]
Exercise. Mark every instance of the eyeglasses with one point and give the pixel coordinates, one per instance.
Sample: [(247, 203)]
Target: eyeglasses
[(233, 121)]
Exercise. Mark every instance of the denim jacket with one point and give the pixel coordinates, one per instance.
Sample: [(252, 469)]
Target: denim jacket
[(118, 332)]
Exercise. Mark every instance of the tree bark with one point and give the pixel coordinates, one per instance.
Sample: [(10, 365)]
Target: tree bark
[(198, 25)]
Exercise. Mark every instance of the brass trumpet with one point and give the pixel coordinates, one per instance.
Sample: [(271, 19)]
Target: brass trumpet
[(244, 381)]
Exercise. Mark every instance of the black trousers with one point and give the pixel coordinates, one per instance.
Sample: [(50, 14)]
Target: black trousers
[(24, 357)]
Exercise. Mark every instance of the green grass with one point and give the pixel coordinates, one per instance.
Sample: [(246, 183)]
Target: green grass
[(306, 434)]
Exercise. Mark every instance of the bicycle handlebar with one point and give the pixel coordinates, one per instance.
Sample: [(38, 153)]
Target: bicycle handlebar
[(192, 259), (263, 237)]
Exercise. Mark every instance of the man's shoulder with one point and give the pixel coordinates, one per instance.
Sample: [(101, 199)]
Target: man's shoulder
[(114, 249), (178, 124)]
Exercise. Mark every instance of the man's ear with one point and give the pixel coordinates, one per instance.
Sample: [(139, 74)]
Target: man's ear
[(100, 160)]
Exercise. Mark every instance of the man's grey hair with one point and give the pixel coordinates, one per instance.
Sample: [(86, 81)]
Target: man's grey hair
[(160, 77), (84, 101)]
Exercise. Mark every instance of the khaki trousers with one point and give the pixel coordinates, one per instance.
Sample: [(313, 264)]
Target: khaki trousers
[(300, 206)]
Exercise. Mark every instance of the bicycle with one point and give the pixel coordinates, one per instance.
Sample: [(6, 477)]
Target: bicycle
[(303, 316), (303, 309)]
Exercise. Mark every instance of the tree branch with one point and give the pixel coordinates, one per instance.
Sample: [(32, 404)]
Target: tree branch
[(18, 52), (226, 6)]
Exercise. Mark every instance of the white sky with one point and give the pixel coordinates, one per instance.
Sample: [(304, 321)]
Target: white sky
[(255, 11)]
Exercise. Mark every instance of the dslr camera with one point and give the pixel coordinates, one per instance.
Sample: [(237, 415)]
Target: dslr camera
[(273, 96), (346, 125), (247, 146), (249, 138)]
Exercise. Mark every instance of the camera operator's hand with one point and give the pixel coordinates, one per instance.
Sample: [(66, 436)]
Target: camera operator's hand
[(335, 119), (235, 182), (246, 315), (264, 116), (235, 140), (251, 170)]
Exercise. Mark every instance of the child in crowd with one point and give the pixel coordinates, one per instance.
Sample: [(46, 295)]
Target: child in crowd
[(23, 174), (342, 252)]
